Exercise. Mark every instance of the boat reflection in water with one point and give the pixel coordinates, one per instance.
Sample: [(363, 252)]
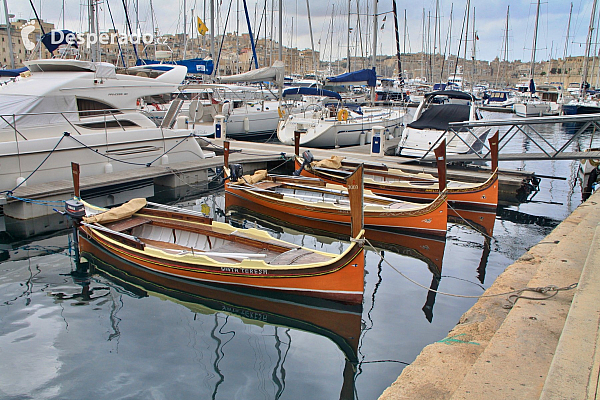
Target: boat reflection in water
[(430, 249), (341, 323)]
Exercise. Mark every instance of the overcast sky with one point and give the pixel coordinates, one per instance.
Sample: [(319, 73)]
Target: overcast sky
[(330, 21)]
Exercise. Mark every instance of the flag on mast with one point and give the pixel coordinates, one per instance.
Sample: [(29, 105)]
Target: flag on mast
[(202, 28)]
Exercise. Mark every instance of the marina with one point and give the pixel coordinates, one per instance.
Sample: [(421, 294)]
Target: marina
[(430, 315), (225, 203)]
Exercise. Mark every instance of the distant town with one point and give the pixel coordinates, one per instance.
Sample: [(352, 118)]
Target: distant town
[(236, 56)]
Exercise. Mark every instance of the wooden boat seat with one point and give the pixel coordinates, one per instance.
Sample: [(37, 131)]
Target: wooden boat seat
[(127, 224), (267, 184)]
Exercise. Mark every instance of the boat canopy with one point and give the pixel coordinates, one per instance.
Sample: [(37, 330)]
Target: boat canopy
[(193, 65), (453, 94), (362, 77), (12, 72), (438, 117), (273, 73), (53, 39), (311, 92)]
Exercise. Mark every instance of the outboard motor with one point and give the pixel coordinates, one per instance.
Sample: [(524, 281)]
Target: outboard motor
[(308, 158), (236, 171), (75, 210)]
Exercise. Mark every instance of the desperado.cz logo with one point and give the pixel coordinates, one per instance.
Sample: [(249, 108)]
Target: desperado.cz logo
[(87, 39)]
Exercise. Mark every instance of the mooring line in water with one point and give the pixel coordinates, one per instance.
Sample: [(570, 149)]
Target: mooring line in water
[(469, 224), (548, 291)]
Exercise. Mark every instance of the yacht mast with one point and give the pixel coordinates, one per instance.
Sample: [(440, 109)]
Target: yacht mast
[(348, 36), (312, 42), (532, 68), (375, 22), (588, 44), (9, 33), (564, 61)]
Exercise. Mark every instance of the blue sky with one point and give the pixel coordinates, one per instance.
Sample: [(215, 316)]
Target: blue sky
[(329, 21)]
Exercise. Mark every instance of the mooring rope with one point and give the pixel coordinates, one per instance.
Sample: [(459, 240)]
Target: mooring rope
[(514, 295)]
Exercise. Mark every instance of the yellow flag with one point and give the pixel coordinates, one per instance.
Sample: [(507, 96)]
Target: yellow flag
[(202, 28)]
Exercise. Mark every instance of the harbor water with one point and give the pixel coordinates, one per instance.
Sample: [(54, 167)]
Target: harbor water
[(107, 337)]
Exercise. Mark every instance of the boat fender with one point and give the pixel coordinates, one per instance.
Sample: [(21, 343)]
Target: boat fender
[(281, 112), (342, 115)]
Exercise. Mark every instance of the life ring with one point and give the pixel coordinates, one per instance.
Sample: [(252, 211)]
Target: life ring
[(281, 112), (342, 115)]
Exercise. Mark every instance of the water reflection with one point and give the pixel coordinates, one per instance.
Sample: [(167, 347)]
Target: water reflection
[(216, 305)]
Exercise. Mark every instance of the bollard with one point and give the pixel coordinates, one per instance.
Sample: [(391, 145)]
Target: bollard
[(220, 128), (378, 141)]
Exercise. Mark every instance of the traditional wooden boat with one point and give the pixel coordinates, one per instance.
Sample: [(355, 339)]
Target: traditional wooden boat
[(399, 184), (339, 322), (183, 244), (302, 201), (429, 249)]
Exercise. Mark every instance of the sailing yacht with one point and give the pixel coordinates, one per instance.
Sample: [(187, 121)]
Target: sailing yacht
[(68, 110), (339, 124)]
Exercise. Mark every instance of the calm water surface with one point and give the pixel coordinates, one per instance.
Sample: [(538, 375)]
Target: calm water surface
[(61, 339)]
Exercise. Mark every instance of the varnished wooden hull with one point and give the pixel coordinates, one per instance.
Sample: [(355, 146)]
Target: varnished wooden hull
[(339, 322), (482, 197), (428, 220), (340, 278)]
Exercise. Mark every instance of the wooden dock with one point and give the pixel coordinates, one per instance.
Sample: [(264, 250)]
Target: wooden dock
[(252, 156)]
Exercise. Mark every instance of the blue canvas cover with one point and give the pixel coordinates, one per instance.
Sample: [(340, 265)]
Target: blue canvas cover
[(12, 72), (53, 39), (363, 76), (311, 92)]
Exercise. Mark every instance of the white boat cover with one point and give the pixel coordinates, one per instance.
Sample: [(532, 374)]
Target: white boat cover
[(272, 73)]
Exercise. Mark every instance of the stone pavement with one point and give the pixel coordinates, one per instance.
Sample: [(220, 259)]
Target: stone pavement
[(539, 349)]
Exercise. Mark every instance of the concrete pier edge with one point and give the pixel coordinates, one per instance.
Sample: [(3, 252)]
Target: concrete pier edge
[(510, 353)]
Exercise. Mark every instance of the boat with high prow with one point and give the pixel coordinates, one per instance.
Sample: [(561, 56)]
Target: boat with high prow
[(187, 245), (398, 184), (302, 200)]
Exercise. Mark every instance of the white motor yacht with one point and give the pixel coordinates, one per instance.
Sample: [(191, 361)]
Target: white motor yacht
[(64, 111), (431, 124)]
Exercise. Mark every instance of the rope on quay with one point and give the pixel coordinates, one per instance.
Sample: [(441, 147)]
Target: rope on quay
[(547, 292)]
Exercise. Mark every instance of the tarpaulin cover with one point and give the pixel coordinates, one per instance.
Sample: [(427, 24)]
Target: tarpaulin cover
[(335, 162), (53, 39), (257, 177), (453, 94), (38, 110), (361, 77), (438, 117), (311, 92), (118, 213), (12, 72), (273, 73)]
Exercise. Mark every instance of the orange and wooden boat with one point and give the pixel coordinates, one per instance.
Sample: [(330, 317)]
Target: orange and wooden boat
[(341, 323), (399, 184), (311, 201), (181, 243)]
